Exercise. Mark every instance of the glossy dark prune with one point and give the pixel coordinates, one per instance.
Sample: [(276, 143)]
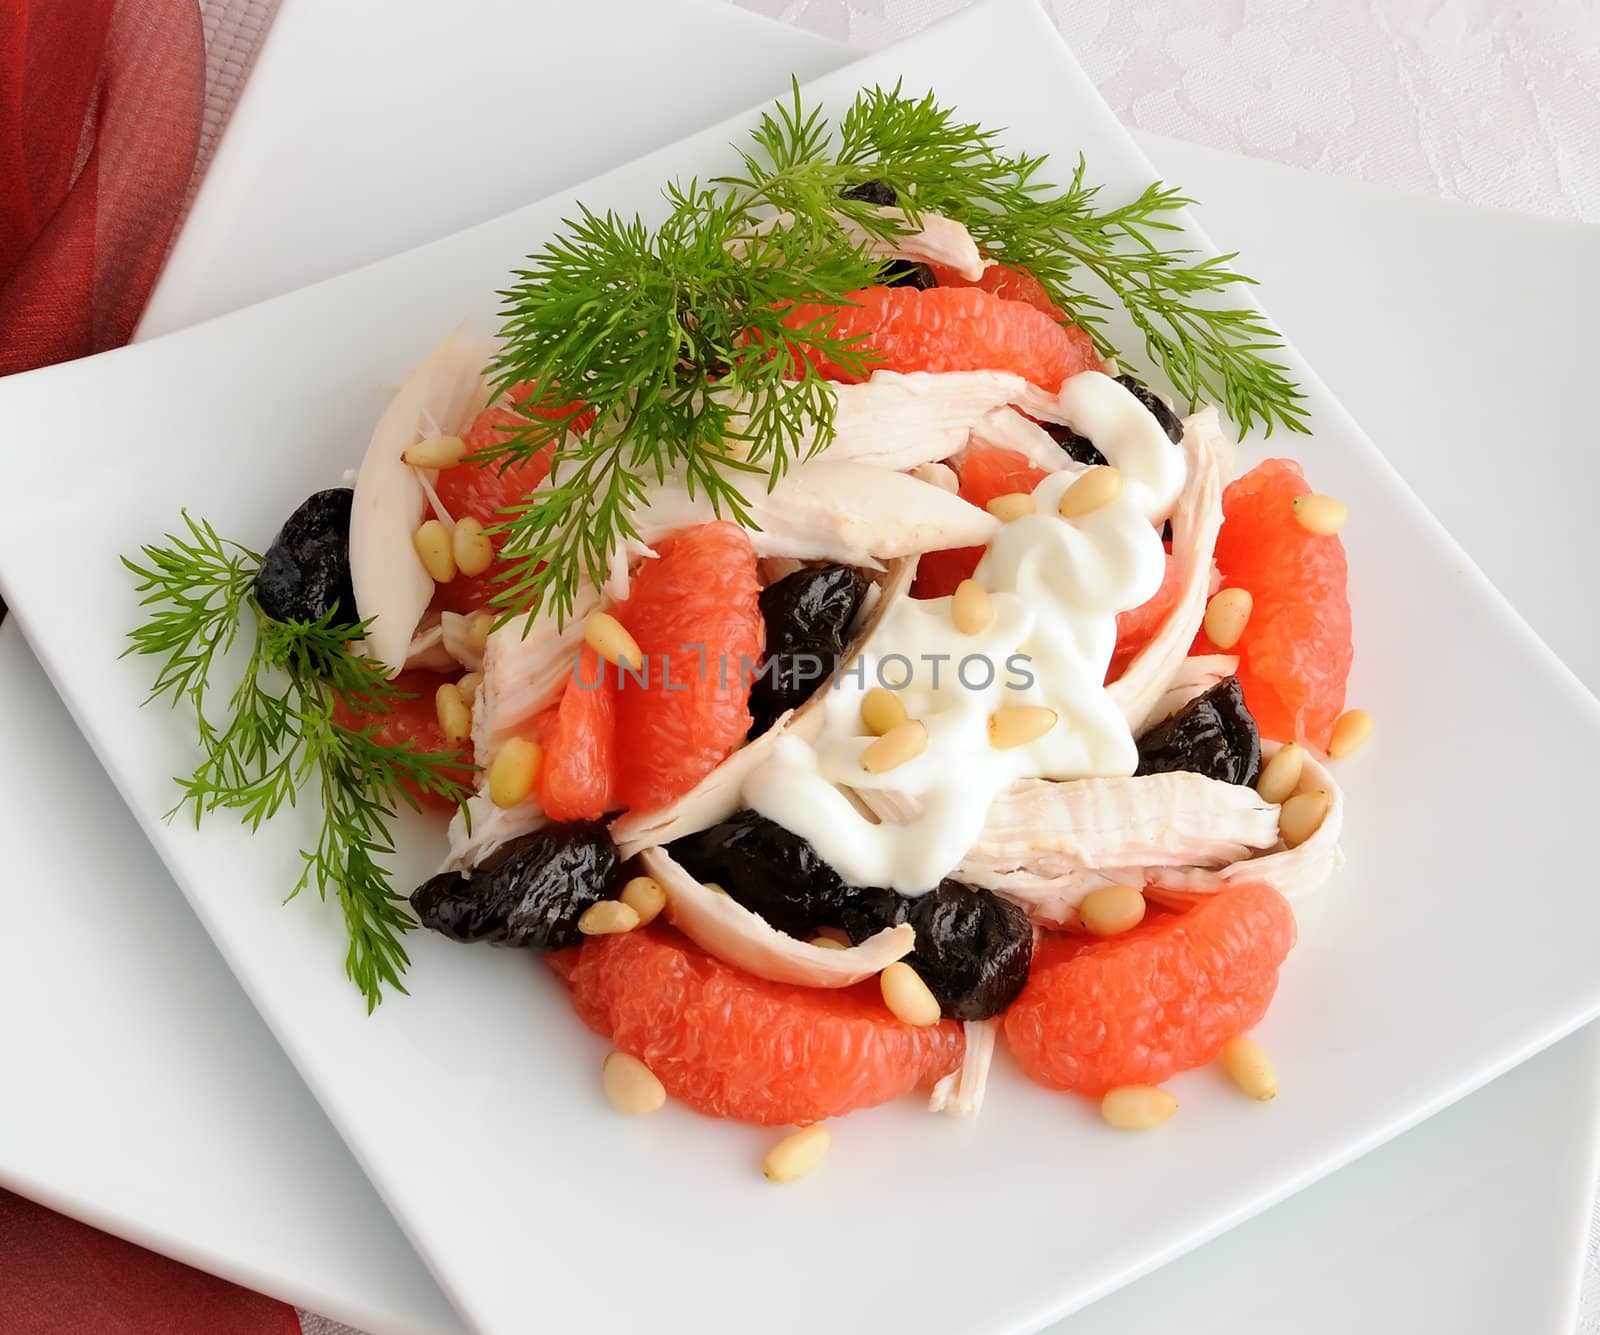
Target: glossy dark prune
[(1077, 447), (807, 616), (1169, 420), (528, 892), (1214, 734), (907, 273), (305, 574), (973, 948), (872, 192), (767, 868), (818, 602)]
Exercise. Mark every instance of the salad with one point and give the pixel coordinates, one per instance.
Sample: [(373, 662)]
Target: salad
[(814, 643)]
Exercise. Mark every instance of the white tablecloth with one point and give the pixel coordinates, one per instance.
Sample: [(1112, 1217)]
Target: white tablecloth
[(1477, 101)]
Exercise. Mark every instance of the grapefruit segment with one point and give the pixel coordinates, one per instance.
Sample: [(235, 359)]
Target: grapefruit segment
[(1014, 284), (578, 773), (951, 329), (1164, 997), (414, 720), (1295, 653), (732, 1045), (694, 614)]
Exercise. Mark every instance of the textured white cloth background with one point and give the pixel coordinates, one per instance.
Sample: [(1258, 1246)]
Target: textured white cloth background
[(234, 31), (1478, 101)]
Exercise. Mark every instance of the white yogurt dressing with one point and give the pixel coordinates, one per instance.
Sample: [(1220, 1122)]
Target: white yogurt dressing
[(1056, 586)]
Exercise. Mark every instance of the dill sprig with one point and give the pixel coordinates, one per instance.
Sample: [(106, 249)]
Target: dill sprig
[(676, 338), (286, 728), (675, 341), (937, 163)]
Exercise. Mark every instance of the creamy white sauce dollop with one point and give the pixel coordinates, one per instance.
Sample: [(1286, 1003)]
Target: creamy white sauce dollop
[(1056, 586)]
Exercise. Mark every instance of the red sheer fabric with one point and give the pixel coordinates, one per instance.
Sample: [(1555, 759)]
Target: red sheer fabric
[(100, 121), (100, 116)]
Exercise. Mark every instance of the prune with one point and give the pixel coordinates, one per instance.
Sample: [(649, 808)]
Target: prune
[(306, 572), (770, 870), (1082, 449), (1158, 409), (973, 948), (529, 892), (808, 616), (817, 603), (1214, 734), (907, 273), (872, 192), (1076, 447)]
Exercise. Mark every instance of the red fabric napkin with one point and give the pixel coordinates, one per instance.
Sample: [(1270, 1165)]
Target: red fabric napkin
[(59, 1277), (100, 119)]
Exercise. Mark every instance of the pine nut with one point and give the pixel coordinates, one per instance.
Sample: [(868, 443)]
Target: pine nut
[(1020, 724), (1013, 505), (795, 1156), (1280, 776), (1227, 614), (455, 719), (907, 996), (469, 686), (881, 711), (970, 608), (1094, 490), (644, 895), (473, 550), (609, 638), (1137, 1107), (1322, 515), (631, 1087), (1112, 910), (903, 742), (436, 452), (827, 943), (607, 918), (476, 631), (432, 541), (1302, 815), (1350, 732), (512, 772), (1250, 1068), (713, 887)]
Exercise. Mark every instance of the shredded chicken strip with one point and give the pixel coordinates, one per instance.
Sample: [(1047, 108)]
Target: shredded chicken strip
[(392, 589), (960, 1094), (939, 240), (1195, 676), (723, 927), (1048, 843), (1195, 524), (1292, 872)]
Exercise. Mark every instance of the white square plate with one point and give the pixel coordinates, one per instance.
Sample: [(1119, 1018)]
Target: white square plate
[(474, 1104)]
